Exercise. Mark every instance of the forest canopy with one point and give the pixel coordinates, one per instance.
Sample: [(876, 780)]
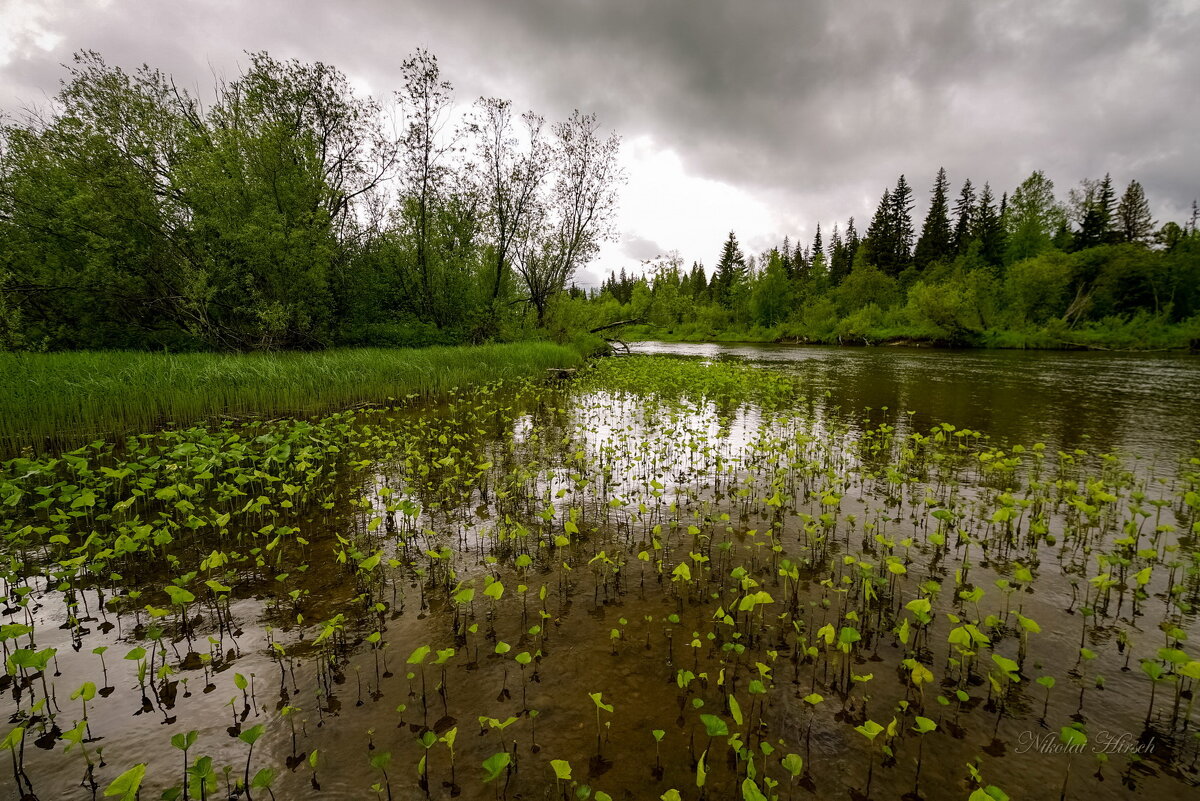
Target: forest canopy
[(1021, 269), (285, 210), (289, 211)]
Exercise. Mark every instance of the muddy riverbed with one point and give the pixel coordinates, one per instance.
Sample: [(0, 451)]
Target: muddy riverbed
[(741, 579)]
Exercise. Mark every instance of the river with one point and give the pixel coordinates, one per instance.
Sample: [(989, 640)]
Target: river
[(633, 582), (1137, 404)]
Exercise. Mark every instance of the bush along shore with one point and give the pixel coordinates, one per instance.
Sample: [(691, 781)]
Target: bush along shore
[(1139, 333)]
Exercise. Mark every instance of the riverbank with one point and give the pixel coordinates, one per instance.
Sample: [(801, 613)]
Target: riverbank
[(55, 398), (1136, 334)]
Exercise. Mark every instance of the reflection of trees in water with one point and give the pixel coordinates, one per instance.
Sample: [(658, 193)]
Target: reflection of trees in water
[(1068, 401), (727, 411), (478, 429)]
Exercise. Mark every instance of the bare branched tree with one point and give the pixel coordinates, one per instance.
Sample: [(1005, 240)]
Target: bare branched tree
[(427, 101), (512, 174), (577, 213)]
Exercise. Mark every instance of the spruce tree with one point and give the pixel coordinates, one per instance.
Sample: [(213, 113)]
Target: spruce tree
[(1133, 215), (839, 265), (989, 230), (1064, 237), (964, 209), (936, 237), (879, 239), (699, 282), (1107, 202), (852, 243), (890, 235), (902, 225), (818, 248), (1096, 228), (731, 268), (799, 263)]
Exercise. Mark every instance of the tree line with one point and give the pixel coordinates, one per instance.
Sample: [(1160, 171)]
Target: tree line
[(1024, 267), (286, 210)]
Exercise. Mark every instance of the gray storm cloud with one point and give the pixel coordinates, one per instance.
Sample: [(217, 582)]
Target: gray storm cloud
[(641, 249), (816, 105)]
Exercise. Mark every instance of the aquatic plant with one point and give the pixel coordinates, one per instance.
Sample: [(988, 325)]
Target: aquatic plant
[(764, 546)]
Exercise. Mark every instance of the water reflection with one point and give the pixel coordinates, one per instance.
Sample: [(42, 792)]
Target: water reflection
[(1142, 405)]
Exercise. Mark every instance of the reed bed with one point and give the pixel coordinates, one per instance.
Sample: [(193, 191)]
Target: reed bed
[(54, 399)]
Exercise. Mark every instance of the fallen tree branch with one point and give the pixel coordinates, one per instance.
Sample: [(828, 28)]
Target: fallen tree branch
[(618, 345), (616, 324)]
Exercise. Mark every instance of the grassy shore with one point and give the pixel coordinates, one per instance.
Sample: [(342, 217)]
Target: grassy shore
[(60, 398)]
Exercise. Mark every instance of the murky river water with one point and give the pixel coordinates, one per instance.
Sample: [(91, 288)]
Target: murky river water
[(1145, 405), (583, 502)]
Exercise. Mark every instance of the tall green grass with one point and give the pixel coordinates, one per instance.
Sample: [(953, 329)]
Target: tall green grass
[(52, 399)]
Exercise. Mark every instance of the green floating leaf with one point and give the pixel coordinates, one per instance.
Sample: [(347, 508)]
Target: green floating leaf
[(735, 710), (1009, 667), (127, 784), (251, 735), (989, 793), (184, 741), (869, 729), (87, 692), (494, 764), (263, 779), (179, 596), (597, 699), (750, 791), (1073, 737), (13, 739), (714, 726)]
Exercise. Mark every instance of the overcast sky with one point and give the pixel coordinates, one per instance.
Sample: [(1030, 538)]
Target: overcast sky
[(761, 116)]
